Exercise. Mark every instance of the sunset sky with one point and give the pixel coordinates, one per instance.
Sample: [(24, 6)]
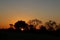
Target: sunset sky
[(14, 10)]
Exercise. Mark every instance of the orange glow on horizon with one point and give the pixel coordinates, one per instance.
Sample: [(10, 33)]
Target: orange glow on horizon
[(12, 20)]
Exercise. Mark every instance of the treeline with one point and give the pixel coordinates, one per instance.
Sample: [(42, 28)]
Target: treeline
[(35, 25)]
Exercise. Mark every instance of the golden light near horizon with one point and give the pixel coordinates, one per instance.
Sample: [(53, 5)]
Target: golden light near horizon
[(22, 29), (12, 10)]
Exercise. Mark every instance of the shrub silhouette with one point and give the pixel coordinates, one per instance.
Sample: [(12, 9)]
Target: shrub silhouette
[(31, 27), (43, 28), (11, 26), (20, 24)]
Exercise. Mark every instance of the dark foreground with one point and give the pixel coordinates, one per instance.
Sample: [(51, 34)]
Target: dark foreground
[(16, 35)]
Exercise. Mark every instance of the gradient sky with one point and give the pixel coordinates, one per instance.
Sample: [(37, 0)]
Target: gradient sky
[(14, 10)]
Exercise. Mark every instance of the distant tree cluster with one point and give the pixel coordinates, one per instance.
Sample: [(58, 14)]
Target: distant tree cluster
[(35, 24)]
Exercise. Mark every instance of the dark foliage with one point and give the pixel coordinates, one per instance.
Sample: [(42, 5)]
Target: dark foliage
[(20, 24)]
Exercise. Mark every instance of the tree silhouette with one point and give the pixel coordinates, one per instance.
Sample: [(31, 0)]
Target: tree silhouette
[(31, 27), (48, 25), (43, 28), (20, 24), (51, 25), (58, 27), (34, 22)]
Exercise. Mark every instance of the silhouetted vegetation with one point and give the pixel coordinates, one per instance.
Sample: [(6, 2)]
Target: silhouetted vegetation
[(22, 26)]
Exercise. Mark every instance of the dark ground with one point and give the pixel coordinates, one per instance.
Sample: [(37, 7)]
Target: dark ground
[(28, 36)]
